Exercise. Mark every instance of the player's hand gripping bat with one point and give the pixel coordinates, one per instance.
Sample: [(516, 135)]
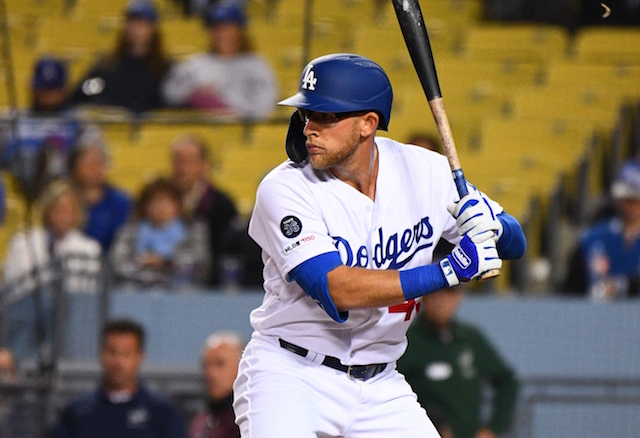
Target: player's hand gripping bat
[(415, 36)]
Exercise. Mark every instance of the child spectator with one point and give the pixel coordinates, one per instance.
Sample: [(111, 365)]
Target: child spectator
[(131, 76), (229, 78), (107, 207), (160, 249)]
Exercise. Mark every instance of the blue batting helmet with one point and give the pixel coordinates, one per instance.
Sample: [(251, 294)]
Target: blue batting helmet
[(338, 83), (342, 83)]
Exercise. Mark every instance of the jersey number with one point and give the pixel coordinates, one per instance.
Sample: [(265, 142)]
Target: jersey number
[(406, 308)]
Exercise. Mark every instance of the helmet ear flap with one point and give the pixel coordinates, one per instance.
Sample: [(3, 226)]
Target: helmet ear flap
[(295, 142)]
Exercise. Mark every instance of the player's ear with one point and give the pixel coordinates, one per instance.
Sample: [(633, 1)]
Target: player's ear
[(369, 124)]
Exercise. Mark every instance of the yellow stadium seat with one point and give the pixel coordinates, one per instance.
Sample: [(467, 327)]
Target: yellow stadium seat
[(93, 8), (34, 8), (607, 45), (622, 80), (184, 37), (516, 43), (461, 12), (139, 155), (77, 38), (594, 108), (282, 47), (245, 164)]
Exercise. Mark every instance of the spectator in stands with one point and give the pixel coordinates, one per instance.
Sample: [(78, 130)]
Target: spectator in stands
[(220, 358), (158, 248), (606, 261), (34, 143), (201, 200), (8, 371), (447, 363), (122, 406), (131, 76), (34, 257), (425, 140), (107, 208), (230, 78)]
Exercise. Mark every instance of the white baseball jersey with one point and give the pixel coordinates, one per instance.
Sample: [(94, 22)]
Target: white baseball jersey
[(301, 212)]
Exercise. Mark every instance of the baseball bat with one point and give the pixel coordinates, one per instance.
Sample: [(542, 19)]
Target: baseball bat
[(417, 40)]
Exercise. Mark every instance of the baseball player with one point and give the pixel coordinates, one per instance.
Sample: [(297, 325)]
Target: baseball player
[(347, 228)]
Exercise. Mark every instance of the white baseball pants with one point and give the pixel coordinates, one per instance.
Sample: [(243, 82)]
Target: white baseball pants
[(279, 394)]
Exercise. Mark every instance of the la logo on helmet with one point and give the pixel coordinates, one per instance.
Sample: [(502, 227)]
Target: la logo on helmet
[(309, 80)]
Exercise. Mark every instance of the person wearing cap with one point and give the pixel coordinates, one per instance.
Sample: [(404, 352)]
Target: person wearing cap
[(448, 362), (107, 208), (606, 261), (229, 78), (34, 146), (131, 75), (49, 85)]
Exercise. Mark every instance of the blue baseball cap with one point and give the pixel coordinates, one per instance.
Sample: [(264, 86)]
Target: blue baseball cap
[(143, 9), (225, 13), (627, 182), (49, 73)]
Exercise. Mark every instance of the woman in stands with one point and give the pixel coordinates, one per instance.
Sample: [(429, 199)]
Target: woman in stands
[(230, 78), (34, 258), (131, 76)]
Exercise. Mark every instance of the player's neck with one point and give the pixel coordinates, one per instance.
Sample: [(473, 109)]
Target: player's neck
[(361, 172)]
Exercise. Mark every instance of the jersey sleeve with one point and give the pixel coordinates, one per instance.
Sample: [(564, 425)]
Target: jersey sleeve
[(288, 225)]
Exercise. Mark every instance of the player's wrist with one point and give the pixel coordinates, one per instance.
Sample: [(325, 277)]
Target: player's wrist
[(422, 280), (448, 272)]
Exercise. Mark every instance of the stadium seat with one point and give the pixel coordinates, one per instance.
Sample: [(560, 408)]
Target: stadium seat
[(534, 43), (621, 80), (184, 37), (244, 164), (594, 108), (607, 45), (76, 38)]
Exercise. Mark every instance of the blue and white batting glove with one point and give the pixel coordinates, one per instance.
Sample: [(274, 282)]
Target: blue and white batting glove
[(475, 218), (469, 260)]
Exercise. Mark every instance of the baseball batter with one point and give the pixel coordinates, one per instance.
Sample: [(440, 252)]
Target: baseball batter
[(347, 228)]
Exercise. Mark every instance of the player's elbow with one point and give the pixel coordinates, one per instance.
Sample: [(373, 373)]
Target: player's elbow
[(513, 242)]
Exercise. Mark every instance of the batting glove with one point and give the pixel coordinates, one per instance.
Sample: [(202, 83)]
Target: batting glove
[(469, 260), (475, 218)]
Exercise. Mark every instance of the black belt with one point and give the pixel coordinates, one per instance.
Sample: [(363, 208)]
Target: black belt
[(362, 372)]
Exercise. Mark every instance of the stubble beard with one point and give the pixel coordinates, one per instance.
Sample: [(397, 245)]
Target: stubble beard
[(329, 159)]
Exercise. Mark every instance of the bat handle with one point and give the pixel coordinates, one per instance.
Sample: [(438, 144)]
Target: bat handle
[(489, 274), (461, 183)]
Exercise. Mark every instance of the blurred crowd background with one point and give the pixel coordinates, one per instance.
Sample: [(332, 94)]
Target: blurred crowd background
[(134, 133)]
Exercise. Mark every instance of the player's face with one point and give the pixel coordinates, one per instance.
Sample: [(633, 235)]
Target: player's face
[(332, 139), (121, 360), (220, 370)]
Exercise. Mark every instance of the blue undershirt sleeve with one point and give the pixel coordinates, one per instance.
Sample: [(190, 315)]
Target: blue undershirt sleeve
[(311, 275), (513, 242)]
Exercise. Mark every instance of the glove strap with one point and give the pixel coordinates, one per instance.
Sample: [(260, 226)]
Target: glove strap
[(449, 273)]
